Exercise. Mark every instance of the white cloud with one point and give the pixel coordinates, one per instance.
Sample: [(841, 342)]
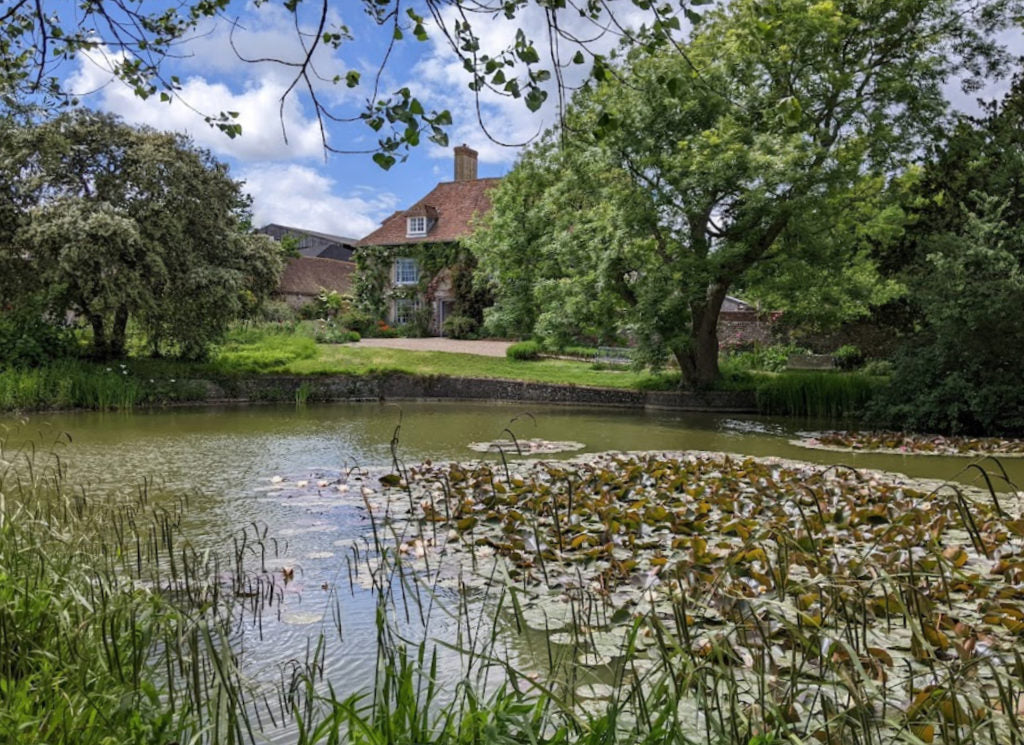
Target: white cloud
[(258, 106), (444, 81), (301, 197)]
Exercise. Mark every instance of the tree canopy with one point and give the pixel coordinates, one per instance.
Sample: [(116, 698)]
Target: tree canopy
[(766, 135), (549, 45), (962, 258), (113, 223)]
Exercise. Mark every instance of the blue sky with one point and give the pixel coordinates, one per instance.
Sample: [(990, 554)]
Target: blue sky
[(295, 182)]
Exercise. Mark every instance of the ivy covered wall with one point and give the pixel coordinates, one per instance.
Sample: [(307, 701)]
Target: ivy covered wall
[(374, 288)]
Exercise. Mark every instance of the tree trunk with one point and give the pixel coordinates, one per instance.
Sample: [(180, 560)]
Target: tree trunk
[(99, 337), (118, 332), (698, 360)]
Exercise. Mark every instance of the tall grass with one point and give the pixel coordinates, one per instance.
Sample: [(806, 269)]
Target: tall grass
[(263, 349), (113, 629), (824, 395), (80, 384)]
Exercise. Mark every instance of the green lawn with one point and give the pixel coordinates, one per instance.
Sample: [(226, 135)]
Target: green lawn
[(339, 359)]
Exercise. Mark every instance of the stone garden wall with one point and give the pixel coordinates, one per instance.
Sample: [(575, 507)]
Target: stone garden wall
[(406, 387)]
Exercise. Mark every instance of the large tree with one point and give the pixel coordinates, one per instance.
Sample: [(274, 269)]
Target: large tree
[(113, 223), (686, 167), (962, 257)]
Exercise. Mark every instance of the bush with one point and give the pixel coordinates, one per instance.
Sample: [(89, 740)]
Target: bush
[(265, 352), (585, 353), (460, 327), (879, 368), (524, 350), (356, 320), (767, 359), (29, 339), (422, 318), (329, 332), (277, 311), (848, 357)]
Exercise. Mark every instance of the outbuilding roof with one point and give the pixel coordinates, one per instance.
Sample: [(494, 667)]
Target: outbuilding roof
[(308, 276)]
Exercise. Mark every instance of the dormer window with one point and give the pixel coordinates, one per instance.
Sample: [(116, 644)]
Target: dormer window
[(416, 226)]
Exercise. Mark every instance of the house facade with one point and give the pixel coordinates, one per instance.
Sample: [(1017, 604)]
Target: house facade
[(419, 248)]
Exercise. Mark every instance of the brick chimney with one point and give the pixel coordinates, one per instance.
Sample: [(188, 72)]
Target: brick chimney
[(465, 163)]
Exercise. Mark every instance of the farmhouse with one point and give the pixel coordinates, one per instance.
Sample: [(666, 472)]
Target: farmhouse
[(413, 268)]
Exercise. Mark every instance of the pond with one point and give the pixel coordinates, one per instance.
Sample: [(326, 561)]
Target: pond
[(279, 468)]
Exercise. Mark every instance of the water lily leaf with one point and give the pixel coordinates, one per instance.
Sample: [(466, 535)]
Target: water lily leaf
[(621, 616)]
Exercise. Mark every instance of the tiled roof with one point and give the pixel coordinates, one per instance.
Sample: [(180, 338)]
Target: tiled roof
[(455, 202), (306, 276)]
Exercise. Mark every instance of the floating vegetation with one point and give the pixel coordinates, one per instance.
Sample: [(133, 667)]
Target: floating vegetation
[(535, 446), (912, 444), (752, 597)]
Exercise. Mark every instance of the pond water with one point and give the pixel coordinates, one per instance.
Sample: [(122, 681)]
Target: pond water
[(244, 465)]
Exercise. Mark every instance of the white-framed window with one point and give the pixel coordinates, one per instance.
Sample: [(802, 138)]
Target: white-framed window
[(405, 309), (407, 271), (415, 226)]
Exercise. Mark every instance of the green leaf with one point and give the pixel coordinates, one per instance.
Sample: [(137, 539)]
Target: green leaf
[(383, 160)]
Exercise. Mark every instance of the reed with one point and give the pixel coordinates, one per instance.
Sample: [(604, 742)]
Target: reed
[(113, 628), (819, 395), (104, 387)]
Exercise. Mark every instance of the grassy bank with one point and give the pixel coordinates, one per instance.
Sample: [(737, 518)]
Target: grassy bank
[(248, 352)]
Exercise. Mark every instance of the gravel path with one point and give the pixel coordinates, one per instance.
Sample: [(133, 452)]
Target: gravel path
[(440, 344)]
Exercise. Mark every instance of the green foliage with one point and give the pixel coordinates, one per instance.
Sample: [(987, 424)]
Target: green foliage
[(460, 327), (66, 384), (817, 395), (330, 304), (332, 332), (763, 358), (964, 262), (880, 368), (372, 280), (961, 373), (29, 337), (666, 186), (258, 351), (524, 350), (357, 321), (118, 224), (277, 311), (848, 357)]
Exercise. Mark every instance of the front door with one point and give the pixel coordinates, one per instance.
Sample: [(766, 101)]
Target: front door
[(444, 309)]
